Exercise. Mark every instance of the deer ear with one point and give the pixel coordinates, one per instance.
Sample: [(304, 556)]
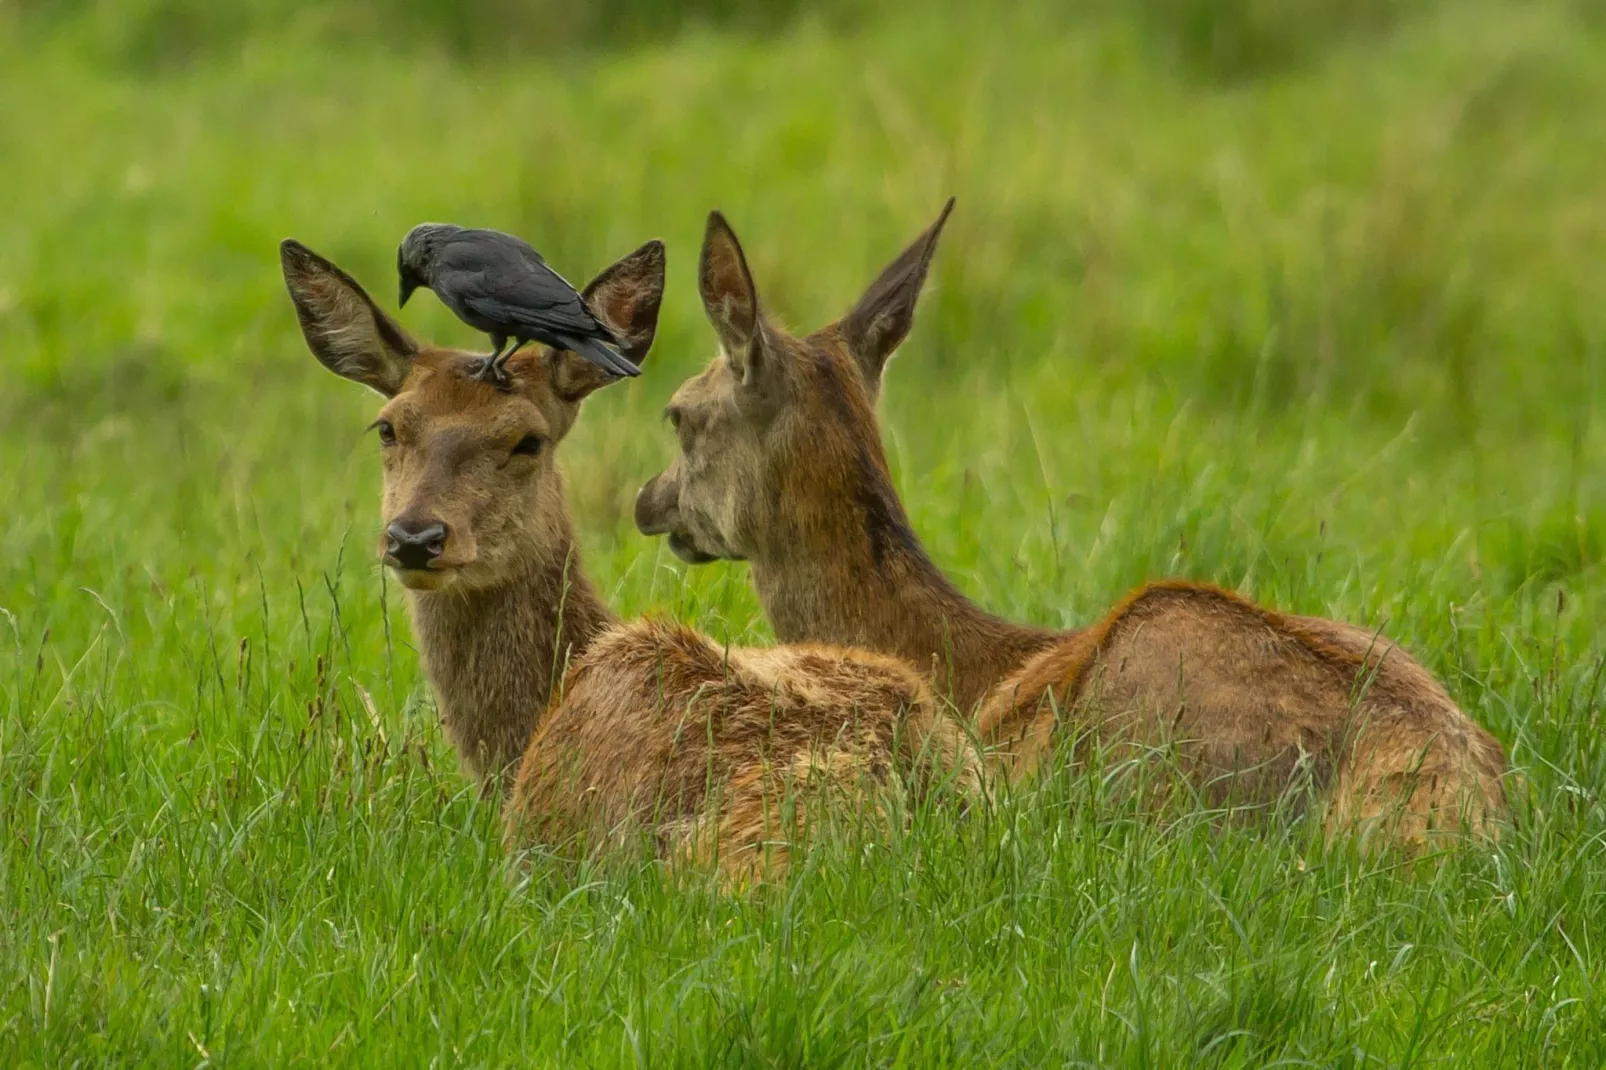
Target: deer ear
[(731, 301), (626, 296), (881, 320), (343, 327)]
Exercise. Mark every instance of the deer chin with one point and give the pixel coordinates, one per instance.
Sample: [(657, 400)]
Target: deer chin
[(683, 547), (424, 579)]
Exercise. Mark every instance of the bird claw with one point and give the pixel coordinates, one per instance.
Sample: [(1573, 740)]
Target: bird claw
[(491, 369)]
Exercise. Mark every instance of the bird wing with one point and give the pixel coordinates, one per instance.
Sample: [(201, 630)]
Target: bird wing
[(525, 306), (512, 285)]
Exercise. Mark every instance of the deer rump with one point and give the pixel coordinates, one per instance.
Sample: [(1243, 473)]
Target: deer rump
[(1247, 703)]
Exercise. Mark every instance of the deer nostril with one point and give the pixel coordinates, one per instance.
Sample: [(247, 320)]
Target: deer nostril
[(413, 547)]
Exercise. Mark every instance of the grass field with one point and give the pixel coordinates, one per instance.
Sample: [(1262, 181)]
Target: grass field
[(1306, 299)]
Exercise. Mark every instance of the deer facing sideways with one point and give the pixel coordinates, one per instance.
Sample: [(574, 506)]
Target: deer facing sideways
[(780, 463), (654, 727)]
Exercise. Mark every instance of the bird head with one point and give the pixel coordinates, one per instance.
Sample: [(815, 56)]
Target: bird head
[(416, 252), (409, 279)]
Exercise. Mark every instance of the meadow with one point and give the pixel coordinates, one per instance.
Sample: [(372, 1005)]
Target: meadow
[(1305, 299)]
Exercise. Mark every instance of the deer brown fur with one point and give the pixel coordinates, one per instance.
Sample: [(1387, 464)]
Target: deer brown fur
[(711, 750), (780, 463)]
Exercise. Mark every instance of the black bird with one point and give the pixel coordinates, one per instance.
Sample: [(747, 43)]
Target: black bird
[(498, 284)]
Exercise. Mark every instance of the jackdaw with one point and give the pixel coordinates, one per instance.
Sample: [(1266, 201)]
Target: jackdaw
[(498, 284)]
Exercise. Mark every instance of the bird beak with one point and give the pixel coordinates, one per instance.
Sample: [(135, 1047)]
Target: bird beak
[(407, 289)]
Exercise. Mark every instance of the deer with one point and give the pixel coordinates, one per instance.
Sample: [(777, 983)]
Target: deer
[(779, 463), (582, 725)]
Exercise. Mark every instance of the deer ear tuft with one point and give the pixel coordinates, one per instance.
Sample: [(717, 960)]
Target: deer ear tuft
[(342, 325), (881, 320), (627, 296)]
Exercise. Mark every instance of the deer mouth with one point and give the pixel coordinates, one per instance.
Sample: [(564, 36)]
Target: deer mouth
[(434, 578)]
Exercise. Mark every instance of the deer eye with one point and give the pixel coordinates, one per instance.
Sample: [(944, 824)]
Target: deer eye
[(528, 446), (387, 432)]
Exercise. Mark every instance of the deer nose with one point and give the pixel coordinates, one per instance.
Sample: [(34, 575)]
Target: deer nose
[(654, 512), (414, 545)]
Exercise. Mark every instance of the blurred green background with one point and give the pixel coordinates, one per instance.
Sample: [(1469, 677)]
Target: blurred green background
[(1305, 298)]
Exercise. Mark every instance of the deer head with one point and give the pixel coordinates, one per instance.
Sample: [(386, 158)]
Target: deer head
[(779, 449), (471, 493)]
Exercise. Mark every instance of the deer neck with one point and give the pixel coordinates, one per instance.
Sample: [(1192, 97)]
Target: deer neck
[(495, 655), (860, 577)]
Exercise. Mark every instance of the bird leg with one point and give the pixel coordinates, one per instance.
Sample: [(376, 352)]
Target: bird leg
[(490, 368), (499, 362)]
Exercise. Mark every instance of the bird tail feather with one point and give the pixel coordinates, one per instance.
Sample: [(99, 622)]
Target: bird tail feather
[(603, 356)]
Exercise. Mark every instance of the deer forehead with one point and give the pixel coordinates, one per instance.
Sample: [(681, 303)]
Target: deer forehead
[(422, 418), (440, 393)]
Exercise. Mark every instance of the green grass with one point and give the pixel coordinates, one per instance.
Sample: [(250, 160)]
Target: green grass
[(1311, 306)]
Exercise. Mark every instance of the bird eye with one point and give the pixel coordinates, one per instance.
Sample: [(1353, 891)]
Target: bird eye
[(529, 446), (387, 433)]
